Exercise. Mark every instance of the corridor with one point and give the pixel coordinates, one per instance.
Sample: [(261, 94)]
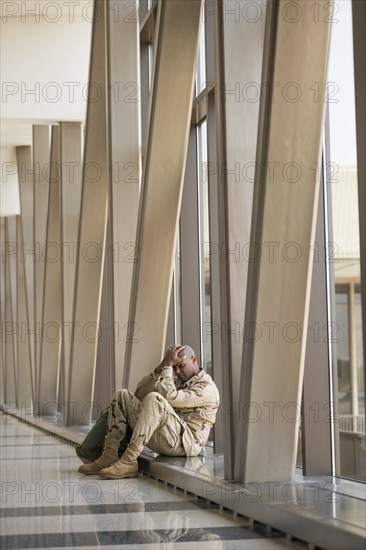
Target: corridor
[(46, 503)]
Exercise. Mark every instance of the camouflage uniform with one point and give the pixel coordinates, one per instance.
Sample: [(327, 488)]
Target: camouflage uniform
[(169, 416)]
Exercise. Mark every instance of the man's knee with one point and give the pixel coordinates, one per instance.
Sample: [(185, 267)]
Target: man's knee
[(154, 398), (122, 394)]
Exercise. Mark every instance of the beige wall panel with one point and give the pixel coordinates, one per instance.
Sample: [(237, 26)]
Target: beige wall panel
[(92, 229), (167, 143), (267, 438), (70, 197), (51, 316), (26, 249), (41, 167)]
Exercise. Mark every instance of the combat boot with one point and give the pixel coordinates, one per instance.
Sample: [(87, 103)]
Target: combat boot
[(126, 466), (108, 458)]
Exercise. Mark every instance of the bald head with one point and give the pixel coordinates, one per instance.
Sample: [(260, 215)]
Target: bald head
[(188, 351), (189, 366)]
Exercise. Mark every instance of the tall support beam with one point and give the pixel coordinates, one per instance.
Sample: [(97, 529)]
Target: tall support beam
[(126, 175), (243, 43), (51, 314), (223, 433), (108, 336), (284, 213), (112, 146), (316, 434), (10, 319), (359, 40), (2, 313), (25, 256), (167, 142), (41, 166), (189, 251), (25, 389), (70, 199), (92, 228), (236, 75)]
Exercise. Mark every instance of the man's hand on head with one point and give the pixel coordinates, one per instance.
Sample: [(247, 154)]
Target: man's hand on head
[(173, 356)]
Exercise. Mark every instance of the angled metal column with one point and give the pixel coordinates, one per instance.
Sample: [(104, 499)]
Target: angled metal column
[(316, 433), (284, 213), (70, 200), (10, 319), (223, 433), (189, 251), (124, 120), (104, 382), (233, 122), (51, 314), (25, 257), (2, 312), (92, 229), (167, 142), (25, 390), (41, 167), (111, 170), (243, 42), (359, 40)]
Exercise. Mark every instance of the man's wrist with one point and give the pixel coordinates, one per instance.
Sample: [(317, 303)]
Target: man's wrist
[(161, 367), (166, 371)]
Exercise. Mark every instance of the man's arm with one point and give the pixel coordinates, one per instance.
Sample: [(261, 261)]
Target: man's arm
[(147, 383), (198, 395)]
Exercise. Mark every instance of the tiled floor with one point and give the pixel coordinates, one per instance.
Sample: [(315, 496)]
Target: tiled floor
[(46, 503)]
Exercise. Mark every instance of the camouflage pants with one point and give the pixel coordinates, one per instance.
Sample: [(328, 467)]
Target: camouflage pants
[(153, 422)]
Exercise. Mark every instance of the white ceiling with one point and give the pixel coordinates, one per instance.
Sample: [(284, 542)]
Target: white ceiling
[(35, 54)]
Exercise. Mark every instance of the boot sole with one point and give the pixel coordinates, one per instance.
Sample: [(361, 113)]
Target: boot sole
[(116, 476), (89, 473)]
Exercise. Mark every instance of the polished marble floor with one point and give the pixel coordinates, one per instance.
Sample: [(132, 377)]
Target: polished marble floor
[(46, 503)]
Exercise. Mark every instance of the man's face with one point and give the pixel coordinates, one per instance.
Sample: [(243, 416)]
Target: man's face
[(187, 368)]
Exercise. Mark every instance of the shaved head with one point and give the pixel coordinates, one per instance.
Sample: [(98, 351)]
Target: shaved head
[(189, 366), (187, 351)]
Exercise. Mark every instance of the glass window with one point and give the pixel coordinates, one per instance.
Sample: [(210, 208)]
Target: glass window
[(204, 239), (344, 250), (343, 351)]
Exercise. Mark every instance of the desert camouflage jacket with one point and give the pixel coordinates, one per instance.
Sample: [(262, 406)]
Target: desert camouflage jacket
[(195, 401)]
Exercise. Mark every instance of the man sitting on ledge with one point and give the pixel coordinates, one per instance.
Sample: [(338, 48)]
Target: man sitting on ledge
[(171, 415)]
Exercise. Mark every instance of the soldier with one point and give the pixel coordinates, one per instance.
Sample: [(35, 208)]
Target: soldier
[(171, 415)]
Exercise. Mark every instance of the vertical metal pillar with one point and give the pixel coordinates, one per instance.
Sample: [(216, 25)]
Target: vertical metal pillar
[(284, 215), (25, 256), (172, 94), (92, 229), (50, 348), (359, 41), (70, 201), (41, 167)]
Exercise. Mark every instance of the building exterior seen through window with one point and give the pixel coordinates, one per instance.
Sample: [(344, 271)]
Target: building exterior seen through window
[(344, 251)]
